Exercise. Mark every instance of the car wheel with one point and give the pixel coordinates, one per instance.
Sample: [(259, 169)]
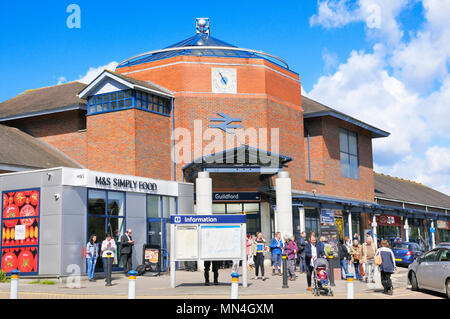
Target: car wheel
[(447, 288), (413, 280)]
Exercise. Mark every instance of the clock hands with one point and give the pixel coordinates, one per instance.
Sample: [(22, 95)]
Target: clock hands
[(224, 79)]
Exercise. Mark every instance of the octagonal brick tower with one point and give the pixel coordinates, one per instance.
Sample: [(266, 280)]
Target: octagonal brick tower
[(208, 76)]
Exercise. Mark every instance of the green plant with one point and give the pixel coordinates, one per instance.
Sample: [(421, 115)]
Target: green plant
[(44, 282), (3, 277)]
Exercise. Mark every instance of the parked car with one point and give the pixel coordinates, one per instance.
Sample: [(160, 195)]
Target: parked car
[(443, 245), (431, 271), (405, 252)]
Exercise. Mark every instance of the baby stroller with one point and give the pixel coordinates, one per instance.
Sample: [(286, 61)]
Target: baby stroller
[(320, 274)]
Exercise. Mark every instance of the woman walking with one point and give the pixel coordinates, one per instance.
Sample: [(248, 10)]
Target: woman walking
[(258, 251), (387, 266), (91, 256), (355, 252)]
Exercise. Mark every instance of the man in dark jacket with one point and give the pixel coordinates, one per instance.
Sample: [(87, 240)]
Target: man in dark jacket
[(126, 250), (312, 252)]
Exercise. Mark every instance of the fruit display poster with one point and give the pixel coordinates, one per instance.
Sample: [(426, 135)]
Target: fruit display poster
[(20, 231)]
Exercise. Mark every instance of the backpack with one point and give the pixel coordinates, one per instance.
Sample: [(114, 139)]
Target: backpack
[(140, 270)]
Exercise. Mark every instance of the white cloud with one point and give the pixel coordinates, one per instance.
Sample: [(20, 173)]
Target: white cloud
[(61, 80), (379, 16), (92, 73), (403, 88), (330, 59)]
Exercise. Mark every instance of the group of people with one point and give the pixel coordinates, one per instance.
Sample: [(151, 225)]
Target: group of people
[(306, 251), (109, 247)]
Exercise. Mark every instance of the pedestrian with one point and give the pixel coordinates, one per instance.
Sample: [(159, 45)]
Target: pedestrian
[(91, 256), (258, 250), (355, 252), (367, 258), (356, 236), (348, 243), (344, 258), (387, 266), (312, 252), (276, 245), (108, 246), (289, 249), (215, 270), (301, 251), (126, 250), (250, 261)]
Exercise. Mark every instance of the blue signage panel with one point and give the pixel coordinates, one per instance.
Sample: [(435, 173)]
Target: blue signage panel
[(327, 216), (208, 219)]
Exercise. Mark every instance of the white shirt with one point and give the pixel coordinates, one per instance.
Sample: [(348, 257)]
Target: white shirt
[(313, 254), (106, 249)]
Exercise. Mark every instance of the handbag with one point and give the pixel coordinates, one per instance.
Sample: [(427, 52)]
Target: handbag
[(378, 260), (361, 270)]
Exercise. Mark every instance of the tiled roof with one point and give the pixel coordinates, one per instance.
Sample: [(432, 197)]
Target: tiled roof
[(409, 191), (20, 149), (42, 100)]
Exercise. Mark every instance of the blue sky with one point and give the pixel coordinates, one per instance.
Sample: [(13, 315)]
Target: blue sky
[(382, 61)]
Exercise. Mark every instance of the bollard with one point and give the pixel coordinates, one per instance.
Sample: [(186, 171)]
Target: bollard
[(108, 268), (132, 284), (14, 284), (331, 274), (350, 293), (235, 285), (284, 265)]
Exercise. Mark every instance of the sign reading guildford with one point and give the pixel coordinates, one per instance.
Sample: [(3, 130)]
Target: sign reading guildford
[(126, 183)]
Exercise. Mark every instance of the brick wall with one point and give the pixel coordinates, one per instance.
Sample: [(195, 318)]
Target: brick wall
[(325, 160)]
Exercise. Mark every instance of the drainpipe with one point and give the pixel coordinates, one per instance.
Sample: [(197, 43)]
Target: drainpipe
[(173, 139), (309, 154)]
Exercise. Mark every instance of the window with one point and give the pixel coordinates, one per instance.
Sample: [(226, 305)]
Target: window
[(348, 142), (311, 221), (445, 255), (106, 215), (430, 256)]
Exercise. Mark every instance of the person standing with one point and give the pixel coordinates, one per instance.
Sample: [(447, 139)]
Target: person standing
[(215, 269), (276, 246), (312, 252), (344, 258), (108, 246), (387, 266), (91, 256), (301, 251), (258, 251), (290, 248), (126, 250), (367, 258), (355, 252)]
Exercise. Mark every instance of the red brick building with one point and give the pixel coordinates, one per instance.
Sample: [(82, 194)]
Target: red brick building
[(123, 122)]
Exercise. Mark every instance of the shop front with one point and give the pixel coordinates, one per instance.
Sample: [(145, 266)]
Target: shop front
[(443, 231), (389, 227), (49, 215)]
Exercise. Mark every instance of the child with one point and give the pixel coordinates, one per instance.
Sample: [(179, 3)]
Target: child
[(322, 276)]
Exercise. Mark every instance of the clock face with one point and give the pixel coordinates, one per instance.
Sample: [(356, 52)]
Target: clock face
[(223, 80)]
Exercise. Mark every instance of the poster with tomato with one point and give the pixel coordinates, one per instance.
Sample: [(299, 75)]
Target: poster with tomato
[(20, 231)]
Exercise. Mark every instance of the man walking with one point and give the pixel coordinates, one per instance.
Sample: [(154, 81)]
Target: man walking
[(126, 250), (301, 251), (368, 254), (215, 269)]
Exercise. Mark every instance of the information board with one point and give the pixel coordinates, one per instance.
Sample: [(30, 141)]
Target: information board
[(221, 242), (327, 216), (186, 246)]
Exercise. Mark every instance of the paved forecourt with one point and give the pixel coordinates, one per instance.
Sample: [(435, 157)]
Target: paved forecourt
[(190, 286)]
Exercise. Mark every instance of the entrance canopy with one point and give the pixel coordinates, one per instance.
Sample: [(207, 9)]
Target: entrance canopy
[(243, 159)]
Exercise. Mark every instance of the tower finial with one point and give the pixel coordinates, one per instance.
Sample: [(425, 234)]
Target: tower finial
[(202, 25)]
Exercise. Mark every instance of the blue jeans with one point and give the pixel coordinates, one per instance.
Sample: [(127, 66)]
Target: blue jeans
[(344, 267), (357, 273), (91, 266), (276, 259), (302, 262)]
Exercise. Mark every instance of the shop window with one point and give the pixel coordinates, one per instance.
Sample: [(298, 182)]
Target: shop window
[(234, 209), (168, 206), (348, 143), (219, 209), (311, 221), (153, 206), (252, 208), (106, 215)]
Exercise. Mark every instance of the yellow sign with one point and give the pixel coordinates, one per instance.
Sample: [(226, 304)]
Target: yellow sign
[(338, 222)]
